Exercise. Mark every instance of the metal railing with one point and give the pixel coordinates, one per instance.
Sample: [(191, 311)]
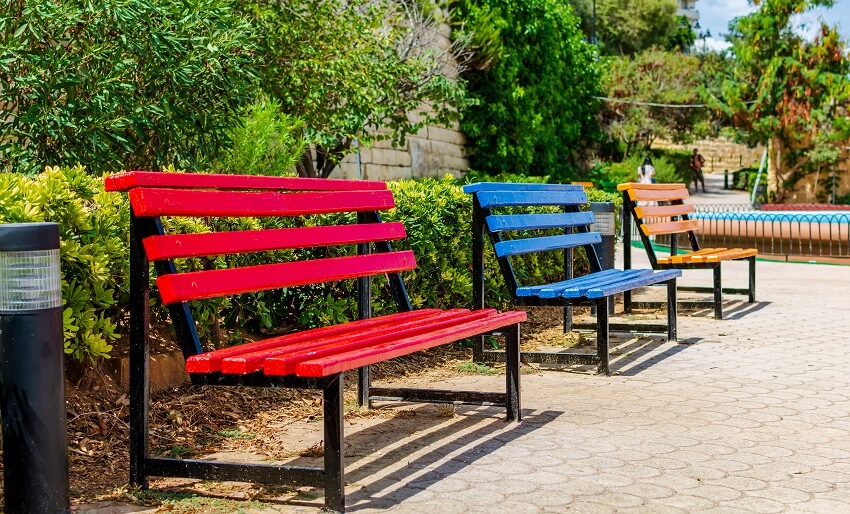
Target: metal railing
[(807, 234)]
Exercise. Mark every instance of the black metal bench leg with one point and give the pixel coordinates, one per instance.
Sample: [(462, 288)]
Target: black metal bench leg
[(672, 319), (752, 296), (334, 446), (477, 349), (512, 375), (602, 336), (139, 367), (364, 383), (718, 294)]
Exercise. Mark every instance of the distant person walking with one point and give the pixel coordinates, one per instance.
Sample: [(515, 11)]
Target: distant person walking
[(697, 162), (646, 172)]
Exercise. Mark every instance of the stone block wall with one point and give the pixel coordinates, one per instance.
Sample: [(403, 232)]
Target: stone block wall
[(720, 153), (431, 152)]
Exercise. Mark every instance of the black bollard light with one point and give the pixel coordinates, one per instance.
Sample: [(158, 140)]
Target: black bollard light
[(32, 380), (606, 225)]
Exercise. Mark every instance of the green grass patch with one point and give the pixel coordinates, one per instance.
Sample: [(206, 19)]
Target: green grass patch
[(474, 368), (236, 434), (188, 502)]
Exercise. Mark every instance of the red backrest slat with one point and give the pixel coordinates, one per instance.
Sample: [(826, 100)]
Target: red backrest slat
[(222, 243), (133, 179), (198, 285), (187, 202)]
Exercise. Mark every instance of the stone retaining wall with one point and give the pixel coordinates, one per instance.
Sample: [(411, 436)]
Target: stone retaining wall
[(432, 152), (720, 153)]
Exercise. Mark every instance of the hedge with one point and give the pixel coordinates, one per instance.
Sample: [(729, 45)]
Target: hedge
[(95, 260)]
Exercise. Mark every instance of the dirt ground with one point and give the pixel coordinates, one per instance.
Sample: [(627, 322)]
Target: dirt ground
[(253, 424)]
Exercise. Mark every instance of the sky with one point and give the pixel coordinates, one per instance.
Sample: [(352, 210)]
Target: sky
[(715, 16)]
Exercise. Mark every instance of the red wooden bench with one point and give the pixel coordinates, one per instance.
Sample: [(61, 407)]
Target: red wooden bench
[(313, 359)]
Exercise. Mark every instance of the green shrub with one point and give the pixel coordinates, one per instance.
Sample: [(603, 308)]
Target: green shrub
[(120, 84), (675, 167), (265, 142), (667, 164), (535, 106), (94, 249)]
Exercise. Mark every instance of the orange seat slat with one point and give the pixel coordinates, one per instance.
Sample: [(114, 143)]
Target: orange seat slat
[(686, 257), (661, 211), (221, 243), (210, 362), (345, 361), (199, 285), (202, 203), (132, 179), (727, 255), (286, 359), (669, 227)]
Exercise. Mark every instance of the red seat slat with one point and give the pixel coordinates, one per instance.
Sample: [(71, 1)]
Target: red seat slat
[(186, 202), (132, 179), (220, 243), (210, 362), (345, 361), (199, 285), (285, 360)]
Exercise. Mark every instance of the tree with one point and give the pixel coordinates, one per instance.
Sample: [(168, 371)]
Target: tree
[(120, 84), (682, 38), (626, 27), (366, 69), (788, 90), (653, 77), (533, 96)]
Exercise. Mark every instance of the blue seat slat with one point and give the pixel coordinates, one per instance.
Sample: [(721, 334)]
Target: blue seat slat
[(535, 290), (580, 289), (500, 223), (490, 199), (627, 285), (543, 244), (509, 186)]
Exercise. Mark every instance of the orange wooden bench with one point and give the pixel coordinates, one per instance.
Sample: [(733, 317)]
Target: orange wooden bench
[(659, 209), (310, 359)]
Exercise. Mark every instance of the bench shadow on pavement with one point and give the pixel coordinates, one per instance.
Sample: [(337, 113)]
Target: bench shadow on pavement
[(732, 309), (641, 353), (744, 309), (439, 434), (427, 469)]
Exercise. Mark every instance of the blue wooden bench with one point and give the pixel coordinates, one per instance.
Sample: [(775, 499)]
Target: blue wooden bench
[(310, 359), (490, 202)]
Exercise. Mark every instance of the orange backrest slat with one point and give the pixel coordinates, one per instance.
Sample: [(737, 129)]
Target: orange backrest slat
[(663, 211), (670, 227)]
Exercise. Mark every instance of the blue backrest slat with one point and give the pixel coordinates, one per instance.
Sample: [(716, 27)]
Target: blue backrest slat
[(508, 186), (491, 199), (501, 223), (543, 244)]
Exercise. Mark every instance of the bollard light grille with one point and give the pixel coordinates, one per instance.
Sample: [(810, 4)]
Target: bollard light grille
[(604, 223), (29, 280)]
